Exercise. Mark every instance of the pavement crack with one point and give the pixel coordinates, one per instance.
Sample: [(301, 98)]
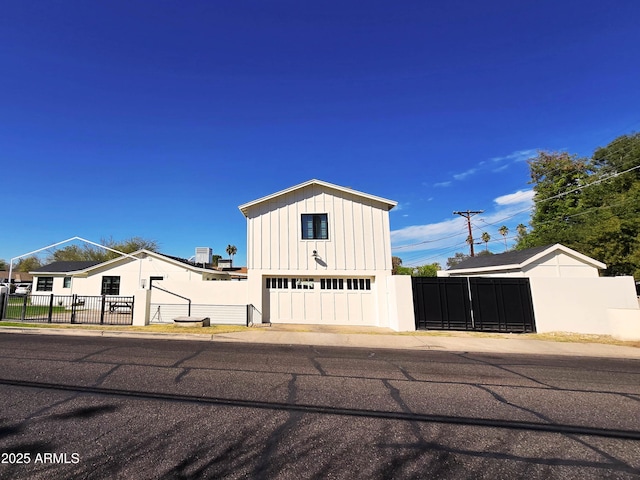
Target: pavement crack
[(182, 360), (181, 375), (104, 376), (92, 354), (316, 364)]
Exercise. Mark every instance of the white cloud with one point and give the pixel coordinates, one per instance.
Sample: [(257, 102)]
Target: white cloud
[(418, 244), (520, 197), (442, 184), (463, 175), (517, 156)]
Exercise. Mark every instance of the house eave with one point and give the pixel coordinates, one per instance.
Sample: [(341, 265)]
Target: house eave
[(388, 203)]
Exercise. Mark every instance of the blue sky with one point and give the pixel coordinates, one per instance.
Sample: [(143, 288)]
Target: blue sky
[(157, 119)]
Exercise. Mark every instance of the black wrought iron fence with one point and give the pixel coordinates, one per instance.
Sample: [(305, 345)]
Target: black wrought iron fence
[(78, 309)]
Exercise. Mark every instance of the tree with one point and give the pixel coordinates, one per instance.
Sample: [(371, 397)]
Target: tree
[(556, 178), (231, 250), (27, 264), (3, 264), (485, 238), (430, 270), (504, 231), (405, 271), (522, 231), (591, 205), (456, 259), (90, 252), (396, 262)]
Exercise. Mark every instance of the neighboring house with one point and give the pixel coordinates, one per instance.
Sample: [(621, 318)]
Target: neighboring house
[(120, 276), (319, 253), (547, 261), (18, 277)]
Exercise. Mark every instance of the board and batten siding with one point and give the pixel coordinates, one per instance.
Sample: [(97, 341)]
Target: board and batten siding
[(359, 238)]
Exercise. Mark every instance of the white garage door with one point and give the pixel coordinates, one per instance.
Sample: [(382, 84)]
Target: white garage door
[(331, 301)]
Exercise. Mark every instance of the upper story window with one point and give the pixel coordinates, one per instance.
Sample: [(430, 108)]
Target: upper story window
[(315, 226)]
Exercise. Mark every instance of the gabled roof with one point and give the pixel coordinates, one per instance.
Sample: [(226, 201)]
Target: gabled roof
[(65, 267), (518, 259), (85, 267), (389, 204)]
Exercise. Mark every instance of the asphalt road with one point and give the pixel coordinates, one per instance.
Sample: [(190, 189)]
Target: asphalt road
[(87, 407)]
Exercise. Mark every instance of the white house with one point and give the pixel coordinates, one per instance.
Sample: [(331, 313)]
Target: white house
[(120, 276), (548, 261), (317, 253), (320, 253)]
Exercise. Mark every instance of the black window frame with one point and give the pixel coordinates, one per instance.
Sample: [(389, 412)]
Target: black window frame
[(44, 284), (110, 285), (66, 282), (317, 220)]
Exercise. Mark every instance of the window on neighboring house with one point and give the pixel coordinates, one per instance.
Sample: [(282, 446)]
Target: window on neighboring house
[(45, 284), (110, 285), (315, 226), (66, 282)]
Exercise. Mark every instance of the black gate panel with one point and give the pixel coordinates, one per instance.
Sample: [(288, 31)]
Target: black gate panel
[(502, 304), (441, 303), (473, 303)]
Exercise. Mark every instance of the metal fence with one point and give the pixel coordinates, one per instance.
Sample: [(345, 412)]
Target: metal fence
[(75, 309), (218, 314)]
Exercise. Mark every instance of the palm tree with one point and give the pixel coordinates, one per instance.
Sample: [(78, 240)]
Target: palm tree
[(231, 250), (485, 238), (522, 230), (503, 230)]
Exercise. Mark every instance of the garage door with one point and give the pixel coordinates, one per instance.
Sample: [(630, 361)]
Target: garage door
[(330, 301)]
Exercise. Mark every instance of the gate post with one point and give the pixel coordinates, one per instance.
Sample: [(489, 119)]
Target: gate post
[(50, 309), (24, 308), (104, 304), (142, 302), (74, 301)]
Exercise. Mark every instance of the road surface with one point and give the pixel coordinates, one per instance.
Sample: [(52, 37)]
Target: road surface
[(90, 407)]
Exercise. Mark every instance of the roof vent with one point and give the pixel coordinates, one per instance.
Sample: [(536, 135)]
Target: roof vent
[(203, 254)]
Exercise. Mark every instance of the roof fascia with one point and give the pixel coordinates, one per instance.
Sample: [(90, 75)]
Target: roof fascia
[(486, 269), (390, 203), (591, 261)]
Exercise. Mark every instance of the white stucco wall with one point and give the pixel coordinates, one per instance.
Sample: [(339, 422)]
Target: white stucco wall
[(201, 292), (400, 294), (580, 305)]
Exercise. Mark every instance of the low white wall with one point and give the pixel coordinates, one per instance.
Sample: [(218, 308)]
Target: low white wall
[(201, 292), (401, 315), (625, 324), (580, 305)]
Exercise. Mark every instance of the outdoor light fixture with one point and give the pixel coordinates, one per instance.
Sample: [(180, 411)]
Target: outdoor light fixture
[(315, 254)]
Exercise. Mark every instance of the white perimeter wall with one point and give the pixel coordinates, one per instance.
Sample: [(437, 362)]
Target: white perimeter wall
[(204, 293), (400, 303), (585, 305)]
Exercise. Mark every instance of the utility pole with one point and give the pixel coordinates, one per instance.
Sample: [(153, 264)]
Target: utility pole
[(468, 214)]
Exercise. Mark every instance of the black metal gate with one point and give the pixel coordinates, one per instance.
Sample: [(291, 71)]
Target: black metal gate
[(77, 309), (473, 303)]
